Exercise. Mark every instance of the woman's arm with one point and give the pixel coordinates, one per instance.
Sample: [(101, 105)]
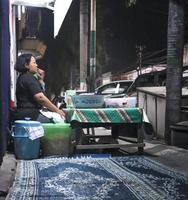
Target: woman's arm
[(44, 101)]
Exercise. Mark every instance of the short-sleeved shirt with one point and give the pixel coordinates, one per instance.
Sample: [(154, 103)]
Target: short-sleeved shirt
[(27, 86)]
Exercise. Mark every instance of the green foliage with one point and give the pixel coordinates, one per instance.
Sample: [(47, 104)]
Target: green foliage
[(130, 3)]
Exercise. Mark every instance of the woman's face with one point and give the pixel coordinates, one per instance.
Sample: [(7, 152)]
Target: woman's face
[(32, 66)]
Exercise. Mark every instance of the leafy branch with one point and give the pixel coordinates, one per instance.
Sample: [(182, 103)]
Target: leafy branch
[(130, 3)]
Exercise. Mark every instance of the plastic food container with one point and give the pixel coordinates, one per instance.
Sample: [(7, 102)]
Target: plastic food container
[(56, 140), (88, 101)]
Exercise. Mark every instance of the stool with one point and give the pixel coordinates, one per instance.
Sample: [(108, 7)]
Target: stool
[(179, 134)]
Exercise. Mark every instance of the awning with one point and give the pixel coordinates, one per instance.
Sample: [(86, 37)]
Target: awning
[(34, 3), (61, 8)]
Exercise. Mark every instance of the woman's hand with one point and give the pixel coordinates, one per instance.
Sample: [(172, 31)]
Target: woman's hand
[(61, 113), (44, 101), (41, 73)]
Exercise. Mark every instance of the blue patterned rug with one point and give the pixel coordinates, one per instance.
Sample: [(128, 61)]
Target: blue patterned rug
[(118, 178)]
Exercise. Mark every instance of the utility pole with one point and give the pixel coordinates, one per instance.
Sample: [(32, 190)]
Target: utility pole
[(92, 45), (139, 50), (84, 13)]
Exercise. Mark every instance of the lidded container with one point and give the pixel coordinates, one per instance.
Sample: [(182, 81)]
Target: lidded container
[(19, 127), (57, 139), (88, 101), (24, 147)]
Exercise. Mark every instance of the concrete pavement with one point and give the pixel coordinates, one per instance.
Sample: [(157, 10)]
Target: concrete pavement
[(7, 172)]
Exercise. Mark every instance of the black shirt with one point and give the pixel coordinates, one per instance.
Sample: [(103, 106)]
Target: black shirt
[(26, 87)]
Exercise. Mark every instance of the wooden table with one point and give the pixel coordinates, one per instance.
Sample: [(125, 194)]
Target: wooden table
[(105, 117)]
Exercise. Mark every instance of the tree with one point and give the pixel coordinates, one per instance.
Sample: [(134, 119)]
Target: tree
[(175, 44)]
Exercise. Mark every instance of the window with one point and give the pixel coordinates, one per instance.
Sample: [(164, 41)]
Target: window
[(107, 89), (118, 87)]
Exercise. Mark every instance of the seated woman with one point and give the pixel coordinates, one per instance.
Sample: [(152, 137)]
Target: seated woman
[(29, 93)]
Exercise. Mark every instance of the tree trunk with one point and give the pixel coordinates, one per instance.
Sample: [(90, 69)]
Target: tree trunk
[(174, 64)]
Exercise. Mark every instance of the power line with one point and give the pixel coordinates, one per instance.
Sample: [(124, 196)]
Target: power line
[(155, 59), (148, 55)]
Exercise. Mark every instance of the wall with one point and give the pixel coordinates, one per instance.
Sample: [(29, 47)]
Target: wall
[(153, 100), (4, 75)]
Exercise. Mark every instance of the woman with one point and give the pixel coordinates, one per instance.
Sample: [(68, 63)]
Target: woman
[(29, 93)]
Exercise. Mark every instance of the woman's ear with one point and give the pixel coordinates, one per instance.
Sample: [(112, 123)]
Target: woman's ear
[(26, 66)]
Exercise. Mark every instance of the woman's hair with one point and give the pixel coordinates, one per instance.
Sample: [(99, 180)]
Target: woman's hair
[(23, 60)]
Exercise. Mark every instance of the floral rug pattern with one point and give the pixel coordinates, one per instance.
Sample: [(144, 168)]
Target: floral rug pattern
[(88, 178)]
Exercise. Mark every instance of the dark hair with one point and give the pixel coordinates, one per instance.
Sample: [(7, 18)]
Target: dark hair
[(22, 61)]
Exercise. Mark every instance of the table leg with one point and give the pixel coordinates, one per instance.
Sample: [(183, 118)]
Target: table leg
[(115, 131), (140, 138)]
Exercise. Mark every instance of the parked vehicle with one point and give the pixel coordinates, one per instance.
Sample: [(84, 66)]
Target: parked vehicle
[(119, 93), (152, 79), (114, 88), (185, 78), (147, 80)]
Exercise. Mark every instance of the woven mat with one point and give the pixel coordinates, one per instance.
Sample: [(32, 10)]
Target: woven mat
[(119, 178)]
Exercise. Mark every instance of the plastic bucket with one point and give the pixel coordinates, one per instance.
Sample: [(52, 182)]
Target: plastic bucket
[(19, 126), (24, 147)]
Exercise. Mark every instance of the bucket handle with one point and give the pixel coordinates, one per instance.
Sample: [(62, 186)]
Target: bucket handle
[(12, 132), (17, 136)]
